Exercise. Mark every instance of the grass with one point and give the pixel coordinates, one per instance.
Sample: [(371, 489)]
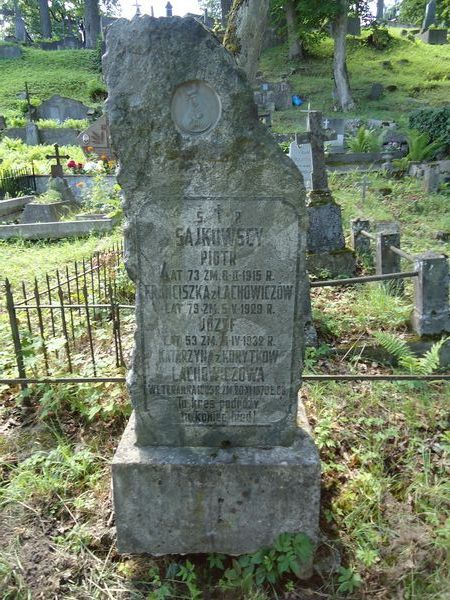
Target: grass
[(423, 80), (64, 72), (384, 448), (15, 154)]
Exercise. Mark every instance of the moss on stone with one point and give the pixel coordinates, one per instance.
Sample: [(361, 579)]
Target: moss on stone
[(231, 40)]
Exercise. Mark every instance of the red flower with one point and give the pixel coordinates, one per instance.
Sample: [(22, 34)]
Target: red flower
[(80, 165), (72, 164)]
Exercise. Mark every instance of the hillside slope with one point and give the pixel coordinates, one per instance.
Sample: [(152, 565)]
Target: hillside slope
[(64, 72), (420, 72)]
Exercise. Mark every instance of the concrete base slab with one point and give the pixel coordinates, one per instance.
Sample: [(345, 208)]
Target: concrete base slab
[(200, 500), (332, 264), (56, 230)]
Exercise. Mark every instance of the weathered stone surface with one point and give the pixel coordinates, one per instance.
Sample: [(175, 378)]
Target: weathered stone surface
[(435, 37), (32, 134), (43, 213), (233, 501), (10, 51), (431, 314), (325, 227), (96, 137), (211, 231), (61, 109), (301, 155), (12, 205), (376, 91), (338, 263), (216, 246), (63, 229)]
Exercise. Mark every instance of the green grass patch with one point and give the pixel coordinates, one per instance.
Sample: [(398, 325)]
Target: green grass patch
[(65, 72)]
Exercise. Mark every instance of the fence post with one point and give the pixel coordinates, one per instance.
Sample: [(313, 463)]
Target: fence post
[(360, 243), (15, 335), (387, 261), (431, 290)]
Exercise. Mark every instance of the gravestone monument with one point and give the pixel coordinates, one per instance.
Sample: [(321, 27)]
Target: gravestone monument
[(430, 16), (97, 138), (325, 242), (218, 456), (61, 109), (57, 181)]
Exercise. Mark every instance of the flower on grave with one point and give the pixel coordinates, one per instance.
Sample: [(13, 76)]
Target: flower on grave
[(92, 166), (104, 158), (80, 184), (89, 149), (79, 165), (72, 164)]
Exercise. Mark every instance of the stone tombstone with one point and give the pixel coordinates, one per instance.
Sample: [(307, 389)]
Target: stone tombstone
[(376, 91), (280, 94), (97, 137), (302, 156), (335, 130), (430, 16), (61, 109), (10, 51), (353, 26), (217, 456)]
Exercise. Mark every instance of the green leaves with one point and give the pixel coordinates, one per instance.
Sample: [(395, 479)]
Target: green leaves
[(349, 580), (424, 365), (291, 552)]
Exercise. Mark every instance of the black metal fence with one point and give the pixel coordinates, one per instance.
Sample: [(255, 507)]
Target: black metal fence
[(14, 182), (77, 326), (73, 322)]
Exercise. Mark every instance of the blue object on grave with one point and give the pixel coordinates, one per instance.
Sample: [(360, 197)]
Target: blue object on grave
[(296, 101)]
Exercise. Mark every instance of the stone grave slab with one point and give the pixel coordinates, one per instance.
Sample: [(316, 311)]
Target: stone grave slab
[(61, 109), (216, 445)]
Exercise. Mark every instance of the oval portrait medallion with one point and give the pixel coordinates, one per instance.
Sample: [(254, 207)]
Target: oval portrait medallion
[(196, 107)]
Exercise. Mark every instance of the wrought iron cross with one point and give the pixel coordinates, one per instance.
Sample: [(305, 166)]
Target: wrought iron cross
[(56, 170)]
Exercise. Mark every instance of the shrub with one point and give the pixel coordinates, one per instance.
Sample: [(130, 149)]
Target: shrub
[(379, 38), (97, 91), (365, 140), (420, 146), (435, 122)]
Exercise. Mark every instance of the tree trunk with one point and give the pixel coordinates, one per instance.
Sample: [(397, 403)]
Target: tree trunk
[(295, 47), (380, 10), (244, 36), (342, 92), (44, 15), (19, 25), (91, 23)]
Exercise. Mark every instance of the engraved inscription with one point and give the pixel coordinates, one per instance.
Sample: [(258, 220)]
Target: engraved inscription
[(196, 107), (222, 315)]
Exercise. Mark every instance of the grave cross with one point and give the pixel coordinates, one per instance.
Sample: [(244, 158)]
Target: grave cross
[(315, 136), (56, 170), (138, 8), (28, 99)]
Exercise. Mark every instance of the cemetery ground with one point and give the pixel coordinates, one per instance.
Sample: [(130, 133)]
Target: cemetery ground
[(385, 450)]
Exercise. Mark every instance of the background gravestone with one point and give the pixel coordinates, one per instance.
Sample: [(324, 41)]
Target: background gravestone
[(217, 456), (325, 240), (61, 109)]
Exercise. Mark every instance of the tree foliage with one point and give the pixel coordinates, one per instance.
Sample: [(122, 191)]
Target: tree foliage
[(413, 11), (61, 12), (214, 8)]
